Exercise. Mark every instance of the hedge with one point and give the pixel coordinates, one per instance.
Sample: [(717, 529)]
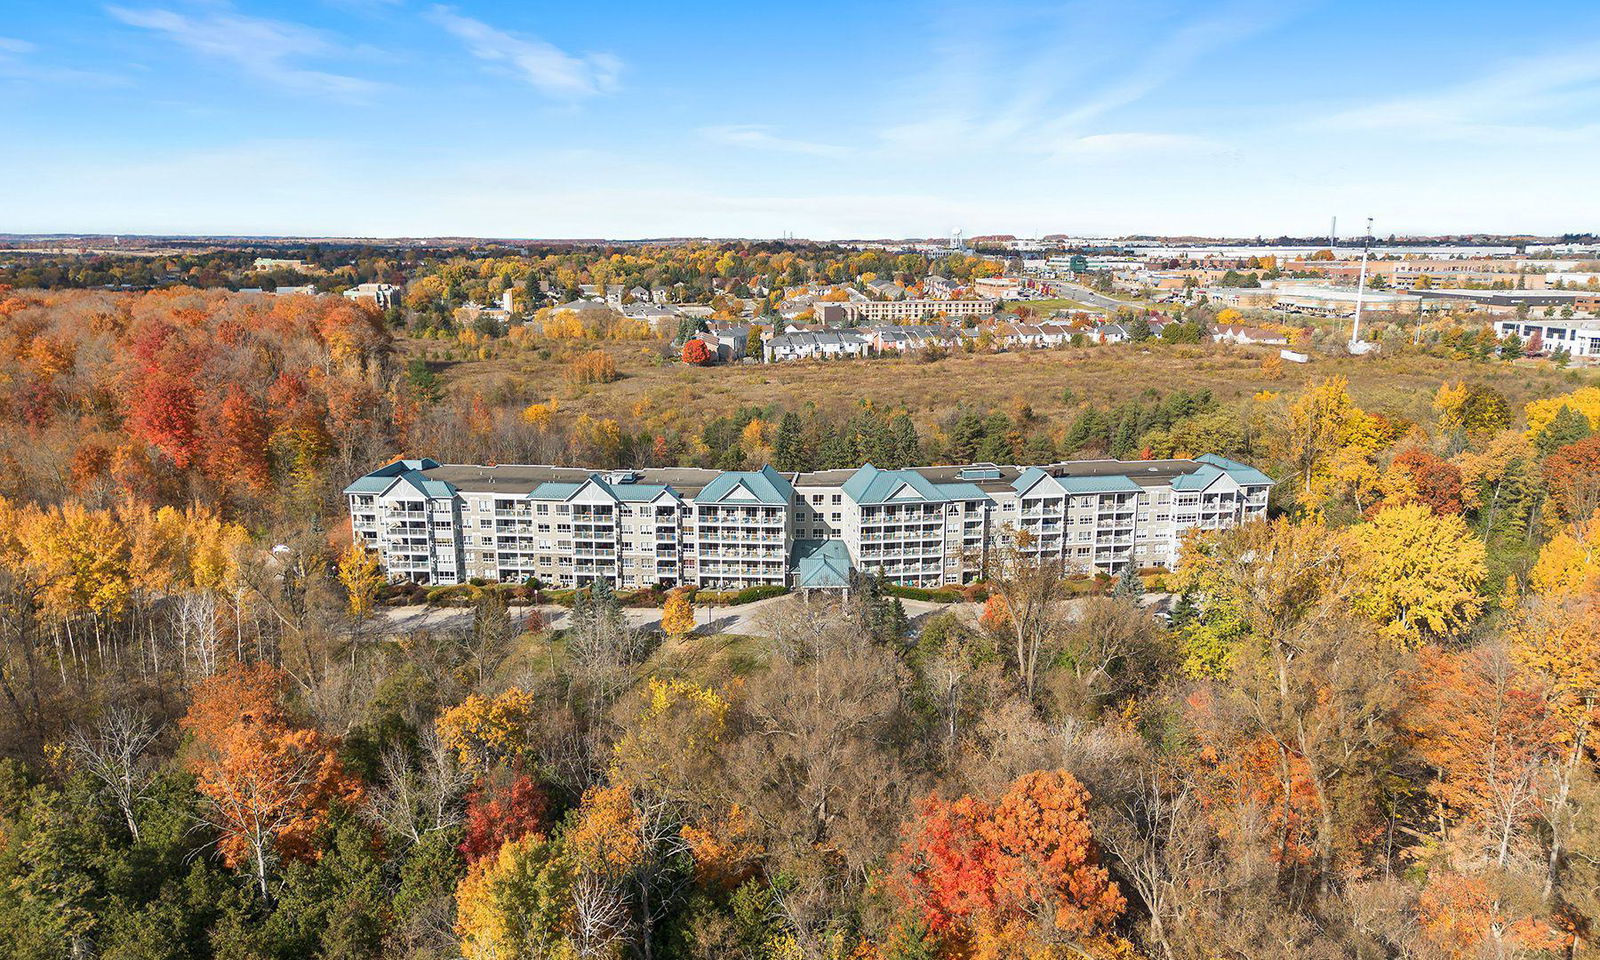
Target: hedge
[(735, 598), (940, 595)]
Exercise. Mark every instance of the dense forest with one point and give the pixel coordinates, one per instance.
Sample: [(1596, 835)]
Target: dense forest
[(1363, 730)]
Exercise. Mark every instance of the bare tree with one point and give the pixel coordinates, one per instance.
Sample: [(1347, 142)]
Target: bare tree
[(117, 754), (415, 800), (1028, 582), (599, 915)]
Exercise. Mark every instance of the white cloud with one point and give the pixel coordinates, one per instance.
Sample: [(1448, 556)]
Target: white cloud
[(1122, 144), (762, 138), (13, 45), (549, 69), (264, 49), (1532, 99)]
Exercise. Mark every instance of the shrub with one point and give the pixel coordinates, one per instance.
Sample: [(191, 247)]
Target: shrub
[(596, 366), (940, 595)]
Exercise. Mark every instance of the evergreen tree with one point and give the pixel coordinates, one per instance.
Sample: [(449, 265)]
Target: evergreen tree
[(965, 437), (1129, 585), (904, 444), (834, 450), (788, 447), (1567, 426)]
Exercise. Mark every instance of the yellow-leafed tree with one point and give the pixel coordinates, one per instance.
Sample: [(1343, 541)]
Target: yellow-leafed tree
[(1418, 573)]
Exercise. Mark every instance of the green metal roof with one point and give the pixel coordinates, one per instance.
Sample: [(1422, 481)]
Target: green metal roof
[(380, 479), (1112, 484), (551, 490), (766, 485), (872, 485), (1241, 472), (821, 564), (625, 492), (1198, 480)]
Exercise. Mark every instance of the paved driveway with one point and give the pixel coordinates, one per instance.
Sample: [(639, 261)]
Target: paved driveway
[(748, 620)]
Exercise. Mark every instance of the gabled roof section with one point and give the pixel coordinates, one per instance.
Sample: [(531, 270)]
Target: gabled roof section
[(1110, 484), (1028, 478), (765, 486), (416, 480), (821, 564), (382, 478), (870, 485), (1242, 473), (1198, 480), (553, 490)]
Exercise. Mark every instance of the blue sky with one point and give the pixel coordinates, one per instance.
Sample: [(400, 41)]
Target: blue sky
[(825, 120)]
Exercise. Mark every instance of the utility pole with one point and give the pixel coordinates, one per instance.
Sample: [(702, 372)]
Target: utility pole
[(1361, 287)]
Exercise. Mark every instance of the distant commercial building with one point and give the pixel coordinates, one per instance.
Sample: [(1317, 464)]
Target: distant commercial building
[(384, 295), (1341, 301), (999, 288), (923, 526), (1579, 338), (1533, 303)]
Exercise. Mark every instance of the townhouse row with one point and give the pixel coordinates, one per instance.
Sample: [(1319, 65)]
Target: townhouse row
[(924, 526)]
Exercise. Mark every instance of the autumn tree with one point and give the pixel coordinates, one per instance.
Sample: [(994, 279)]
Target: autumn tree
[(1418, 574), (487, 730), (268, 782), (696, 352), (1028, 583), (1024, 869), (361, 574), (677, 616), (506, 805)]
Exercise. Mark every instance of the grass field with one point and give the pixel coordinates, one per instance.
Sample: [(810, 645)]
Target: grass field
[(1048, 306), (1401, 385)]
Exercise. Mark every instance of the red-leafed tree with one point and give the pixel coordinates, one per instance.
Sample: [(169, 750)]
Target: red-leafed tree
[(162, 413), (507, 805), (1025, 867), (1437, 481), (696, 352)]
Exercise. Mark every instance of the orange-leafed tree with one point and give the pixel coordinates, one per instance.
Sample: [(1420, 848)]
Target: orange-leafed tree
[(239, 443), (1021, 872), (1432, 480), (1489, 731), (1573, 474), (696, 352), (268, 783)]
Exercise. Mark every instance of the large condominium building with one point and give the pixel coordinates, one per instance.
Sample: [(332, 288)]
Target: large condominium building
[(923, 526), (879, 311)]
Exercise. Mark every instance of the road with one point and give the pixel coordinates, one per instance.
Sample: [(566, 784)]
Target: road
[(1085, 295)]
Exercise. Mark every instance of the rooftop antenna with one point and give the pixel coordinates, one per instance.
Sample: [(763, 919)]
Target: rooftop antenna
[(1361, 288)]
